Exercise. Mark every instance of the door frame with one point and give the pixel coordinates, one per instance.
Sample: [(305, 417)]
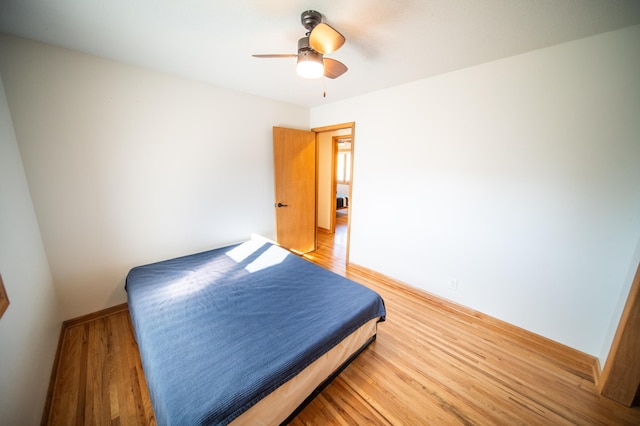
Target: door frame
[(352, 126), (620, 379)]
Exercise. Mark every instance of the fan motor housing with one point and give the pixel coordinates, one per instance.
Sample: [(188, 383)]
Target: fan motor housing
[(303, 44), (310, 19), (305, 52)]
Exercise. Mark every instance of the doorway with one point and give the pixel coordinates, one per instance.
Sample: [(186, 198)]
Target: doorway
[(335, 160), (341, 177)]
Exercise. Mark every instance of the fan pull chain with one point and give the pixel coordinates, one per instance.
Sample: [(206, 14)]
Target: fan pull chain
[(324, 87)]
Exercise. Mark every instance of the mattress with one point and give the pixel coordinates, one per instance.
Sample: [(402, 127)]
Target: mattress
[(288, 399), (221, 330)]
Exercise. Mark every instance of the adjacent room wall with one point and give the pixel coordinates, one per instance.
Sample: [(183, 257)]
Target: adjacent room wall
[(519, 179), (128, 166), (30, 326)]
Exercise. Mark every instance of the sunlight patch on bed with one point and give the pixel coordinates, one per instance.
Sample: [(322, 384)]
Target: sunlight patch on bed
[(208, 274), (244, 250), (273, 256), (196, 280), (184, 287)]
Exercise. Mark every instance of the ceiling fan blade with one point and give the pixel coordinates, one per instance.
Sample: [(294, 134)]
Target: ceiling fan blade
[(325, 39), (276, 55), (333, 68)]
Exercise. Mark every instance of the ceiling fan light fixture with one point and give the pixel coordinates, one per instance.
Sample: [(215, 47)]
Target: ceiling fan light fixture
[(310, 64), (320, 40)]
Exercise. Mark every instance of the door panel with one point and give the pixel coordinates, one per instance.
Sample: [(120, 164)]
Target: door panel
[(294, 154)]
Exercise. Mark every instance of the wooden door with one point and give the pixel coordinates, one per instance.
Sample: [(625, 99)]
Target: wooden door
[(294, 154)]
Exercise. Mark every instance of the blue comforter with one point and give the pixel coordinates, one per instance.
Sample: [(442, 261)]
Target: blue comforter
[(220, 330)]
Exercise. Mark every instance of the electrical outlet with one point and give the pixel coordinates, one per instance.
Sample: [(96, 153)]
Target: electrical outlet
[(453, 284)]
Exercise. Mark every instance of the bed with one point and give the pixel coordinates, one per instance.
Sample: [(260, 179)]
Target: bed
[(247, 333), (342, 201)]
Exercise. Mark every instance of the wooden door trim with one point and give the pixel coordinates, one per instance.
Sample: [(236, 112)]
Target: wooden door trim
[(620, 378), (334, 181), (350, 125)]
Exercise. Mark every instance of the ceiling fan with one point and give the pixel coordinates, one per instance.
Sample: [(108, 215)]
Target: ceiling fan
[(320, 39)]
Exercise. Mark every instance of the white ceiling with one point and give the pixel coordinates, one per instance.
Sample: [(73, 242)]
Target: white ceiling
[(389, 42)]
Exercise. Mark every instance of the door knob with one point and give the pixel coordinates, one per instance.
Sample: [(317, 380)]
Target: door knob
[(281, 205)]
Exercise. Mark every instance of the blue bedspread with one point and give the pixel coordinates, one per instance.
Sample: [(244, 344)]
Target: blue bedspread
[(219, 330)]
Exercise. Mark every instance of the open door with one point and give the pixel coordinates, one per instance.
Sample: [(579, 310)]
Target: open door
[(294, 155)]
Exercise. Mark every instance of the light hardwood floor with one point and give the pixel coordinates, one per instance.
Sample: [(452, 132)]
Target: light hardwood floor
[(433, 363)]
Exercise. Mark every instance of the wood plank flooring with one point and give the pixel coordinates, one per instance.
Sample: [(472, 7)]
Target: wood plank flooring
[(99, 379), (433, 363)]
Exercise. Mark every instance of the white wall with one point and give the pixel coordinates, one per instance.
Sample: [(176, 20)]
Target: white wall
[(519, 178), (343, 188), (31, 324), (128, 166)]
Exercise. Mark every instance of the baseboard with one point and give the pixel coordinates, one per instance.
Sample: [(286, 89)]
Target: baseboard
[(597, 371), (590, 367), (52, 380), (93, 316)]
